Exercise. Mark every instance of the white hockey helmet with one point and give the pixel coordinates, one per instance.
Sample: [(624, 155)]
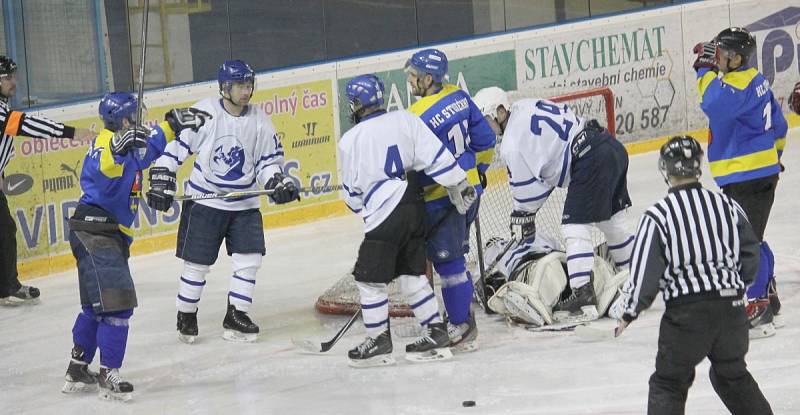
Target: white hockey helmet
[(489, 99)]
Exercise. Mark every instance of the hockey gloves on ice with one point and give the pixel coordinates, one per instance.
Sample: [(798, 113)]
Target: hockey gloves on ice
[(707, 56), (794, 99), (162, 188), (522, 224), (283, 189), (180, 119), (126, 140), (462, 196)]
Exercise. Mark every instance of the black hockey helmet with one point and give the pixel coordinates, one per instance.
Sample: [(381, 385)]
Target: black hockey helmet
[(738, 40), (680, 156), (7, 66)]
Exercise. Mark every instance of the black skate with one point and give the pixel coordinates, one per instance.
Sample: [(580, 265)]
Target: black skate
[(187, 327), (373, 352), (774, 303), (25, 295), (238, 326), (464, 336), (759, 314), (79, 378), (112, 387), (433, 345), (580, 306)]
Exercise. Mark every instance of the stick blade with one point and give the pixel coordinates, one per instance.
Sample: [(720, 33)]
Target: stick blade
[(308, 346), (588, 333)]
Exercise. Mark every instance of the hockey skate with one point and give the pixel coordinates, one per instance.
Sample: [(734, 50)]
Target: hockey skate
[(112, 387), (775, 304), (25, 295), (759, 314), (464, 336), (432, 346), (238, 326), (79, 378), (521, 310), (580, 306), (373, 352), (187, 327)]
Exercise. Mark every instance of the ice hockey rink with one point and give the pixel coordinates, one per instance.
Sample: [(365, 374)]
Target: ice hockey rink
[(514, 371)]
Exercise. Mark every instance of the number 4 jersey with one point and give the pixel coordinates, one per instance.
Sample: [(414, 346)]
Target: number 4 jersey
[(377, 152), (536, 150)]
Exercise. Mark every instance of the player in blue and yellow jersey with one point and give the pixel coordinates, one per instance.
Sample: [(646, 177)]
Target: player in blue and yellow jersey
[(100, 235), (450, 113), (748, 133)]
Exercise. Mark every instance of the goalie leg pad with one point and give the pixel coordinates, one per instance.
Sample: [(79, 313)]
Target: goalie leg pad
[(190, 286), (374, 307), (243, 281), (620, 241), (580, 253), (421, 298)]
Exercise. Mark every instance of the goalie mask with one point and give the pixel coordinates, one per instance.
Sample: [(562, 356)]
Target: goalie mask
[(681, 156)]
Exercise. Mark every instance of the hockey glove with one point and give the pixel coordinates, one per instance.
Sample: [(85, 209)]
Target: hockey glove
[(707, 56), (180, 119), (162, 188), (794, 99), (126, 140), (522, 224), (462, 196), (283, 189)]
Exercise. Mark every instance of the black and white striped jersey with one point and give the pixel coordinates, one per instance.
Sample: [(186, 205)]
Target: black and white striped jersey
[(13, 123), (693, 242)]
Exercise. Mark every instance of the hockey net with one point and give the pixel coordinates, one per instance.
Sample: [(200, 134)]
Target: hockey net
[(496, 205)]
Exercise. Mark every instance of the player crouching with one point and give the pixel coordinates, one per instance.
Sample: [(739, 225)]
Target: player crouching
[(380, 156), (531, 279)]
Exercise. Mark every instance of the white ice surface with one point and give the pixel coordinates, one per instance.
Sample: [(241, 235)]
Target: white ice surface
[(514, 372)]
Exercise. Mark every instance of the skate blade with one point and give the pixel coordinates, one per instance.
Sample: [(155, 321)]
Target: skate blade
[(467, 346), (588, 313), (380, 360), (237, 337), (184, 338), (78, 387), (762, 331), (433, 355), (115, 396), (521, 309), (778, 322)]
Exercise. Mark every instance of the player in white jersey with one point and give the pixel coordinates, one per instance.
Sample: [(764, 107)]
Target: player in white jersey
[(380, 156), (546, 145), (237, 150)]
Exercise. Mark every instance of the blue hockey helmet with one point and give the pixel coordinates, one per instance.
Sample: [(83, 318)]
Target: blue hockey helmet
[(116, 106), (364, 91), (233, 71), (429, 61)]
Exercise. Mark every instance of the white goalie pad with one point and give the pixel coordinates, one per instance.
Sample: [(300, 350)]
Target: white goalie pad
[(539, 285)]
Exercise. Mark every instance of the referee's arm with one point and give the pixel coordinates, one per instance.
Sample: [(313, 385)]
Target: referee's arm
[(648, 264), (749, 249)]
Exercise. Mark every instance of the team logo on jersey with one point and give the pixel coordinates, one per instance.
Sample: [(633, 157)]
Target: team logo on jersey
[(227, 161)]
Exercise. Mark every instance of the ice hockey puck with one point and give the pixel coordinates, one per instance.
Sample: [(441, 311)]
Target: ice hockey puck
[(468, 404)]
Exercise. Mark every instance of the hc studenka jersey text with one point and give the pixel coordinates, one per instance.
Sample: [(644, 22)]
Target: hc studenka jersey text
[(459, 124), (233, 154), (378, 151), (536, 150), (114, 183), (748, 129)]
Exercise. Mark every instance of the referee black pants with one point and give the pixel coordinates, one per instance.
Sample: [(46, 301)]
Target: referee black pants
[(689, 333), (8, 250)]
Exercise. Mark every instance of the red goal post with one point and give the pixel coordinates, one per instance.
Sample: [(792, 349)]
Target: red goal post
[(496, 205)]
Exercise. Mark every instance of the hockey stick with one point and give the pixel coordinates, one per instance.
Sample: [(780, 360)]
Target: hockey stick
[(490, 268), (311, 347), (140, 104), (588, 333), (481, 265), (245, 193)]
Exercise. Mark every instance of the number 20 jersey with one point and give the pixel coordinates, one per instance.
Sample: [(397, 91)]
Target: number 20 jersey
[(536, 149)]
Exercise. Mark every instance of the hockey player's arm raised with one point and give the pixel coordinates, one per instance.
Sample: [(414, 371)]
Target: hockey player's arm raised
[(648, 263), (19, 123)]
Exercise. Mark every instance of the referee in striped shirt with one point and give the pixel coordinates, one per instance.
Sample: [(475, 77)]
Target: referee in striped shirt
[(13, 123), (698, 247)]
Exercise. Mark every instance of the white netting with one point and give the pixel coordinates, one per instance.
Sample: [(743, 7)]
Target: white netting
[(496, 205)]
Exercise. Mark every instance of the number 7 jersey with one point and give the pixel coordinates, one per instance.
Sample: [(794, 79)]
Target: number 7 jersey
[(536, 150), (377, 152)]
